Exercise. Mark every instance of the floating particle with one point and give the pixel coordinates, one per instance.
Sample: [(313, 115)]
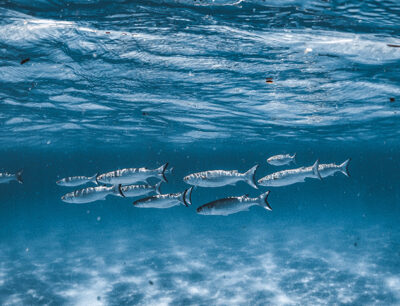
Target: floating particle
[(27, 250), (94, 55), (151, 283), (145, 113), (25, 60), (269, 80), (98, 218), (107, 32), (99, 298), (355, 244), (393, 46), (392, 99), (88, 211), (48, 142), (307, 50)]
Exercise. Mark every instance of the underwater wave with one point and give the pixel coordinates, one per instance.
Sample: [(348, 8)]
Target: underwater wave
[(182, 72)]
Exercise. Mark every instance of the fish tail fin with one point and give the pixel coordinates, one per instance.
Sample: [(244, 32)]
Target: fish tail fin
[(316, 170), (19, 176), (263, 200), (161, 172), (294, 158), (118, 190), (94, 179), (186, 197), (157, 187), (250, 177), (344, 167)]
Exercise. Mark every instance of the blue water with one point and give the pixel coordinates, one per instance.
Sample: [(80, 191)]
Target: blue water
[(116, 84)]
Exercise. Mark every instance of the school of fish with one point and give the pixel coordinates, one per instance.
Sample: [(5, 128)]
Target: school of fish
[(134, 182)]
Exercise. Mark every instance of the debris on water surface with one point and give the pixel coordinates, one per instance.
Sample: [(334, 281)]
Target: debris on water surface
[(107, 32), (25, 60), (151, 283), (392, 99), (99, 298), (269, 80), (307, 50), (145, 113), (393, 46)]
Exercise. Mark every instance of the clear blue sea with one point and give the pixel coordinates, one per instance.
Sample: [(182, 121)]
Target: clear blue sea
[(93, 86)]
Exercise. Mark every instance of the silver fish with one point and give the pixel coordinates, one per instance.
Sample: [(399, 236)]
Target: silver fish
[(218, 178), (330, 169), (74, 181), (166, 200), (9, 177), (132, 175), (291, 176), (90, 194), (131, 191), (228, 206), (282, 159)]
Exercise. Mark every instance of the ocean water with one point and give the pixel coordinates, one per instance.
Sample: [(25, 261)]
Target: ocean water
[(89, 87)]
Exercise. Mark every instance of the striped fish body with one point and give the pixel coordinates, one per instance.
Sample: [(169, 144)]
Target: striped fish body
[(232, 205), (90, 194), (214, 178), (280, 160), (132, 191), (290, 177), (160, 201), (74, 181), (131, 175), (163, 201), (219, 178), (6, 177)]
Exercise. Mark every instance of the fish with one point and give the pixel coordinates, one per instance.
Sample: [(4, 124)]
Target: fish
[(90, 194), (291, 176), (74, 181), (131, 191), (219, 178), (232, 205), (282, 159), (330, 169), (132, 175), (6, 177), (166, 200)]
